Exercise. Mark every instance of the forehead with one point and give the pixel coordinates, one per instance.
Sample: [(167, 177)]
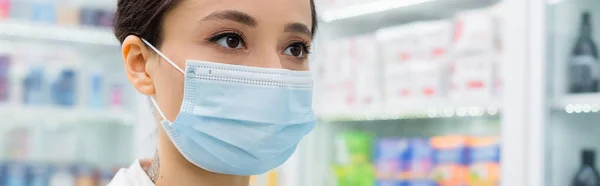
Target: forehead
[(264, 11)]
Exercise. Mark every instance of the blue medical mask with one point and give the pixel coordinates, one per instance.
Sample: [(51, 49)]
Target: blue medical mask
[(240, 120)]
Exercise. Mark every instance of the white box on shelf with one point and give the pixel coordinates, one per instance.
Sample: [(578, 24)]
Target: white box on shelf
[(414, 56), (428, 80), (472, 77), (365, 62), (399, 85), (498, 19), (334, 85), (398, 46), (474, 30), (473, 59), (434, 38), (348, 79)]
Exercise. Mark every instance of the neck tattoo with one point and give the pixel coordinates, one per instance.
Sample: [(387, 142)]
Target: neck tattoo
[(154, 170)]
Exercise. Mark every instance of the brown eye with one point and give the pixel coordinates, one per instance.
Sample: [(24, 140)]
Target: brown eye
[(231, 41), (296, 50)]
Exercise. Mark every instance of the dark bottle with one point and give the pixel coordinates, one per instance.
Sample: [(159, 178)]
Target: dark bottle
[(587, 174), (584, 67)]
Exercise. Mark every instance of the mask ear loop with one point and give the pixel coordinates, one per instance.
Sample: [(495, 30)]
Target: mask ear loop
[(172, 64), (163, 56), (158, 109)]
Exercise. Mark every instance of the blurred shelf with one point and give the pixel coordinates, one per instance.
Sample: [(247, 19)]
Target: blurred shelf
[(381, 13), (578, 103), (11, 29), (65, 115), (420, 110)]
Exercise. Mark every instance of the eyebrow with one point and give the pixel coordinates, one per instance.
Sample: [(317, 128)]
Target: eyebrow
[(233, 15), (298, 28)]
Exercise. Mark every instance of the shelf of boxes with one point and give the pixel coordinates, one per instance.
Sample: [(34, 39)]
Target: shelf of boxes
[(428, 69), (347, 18)]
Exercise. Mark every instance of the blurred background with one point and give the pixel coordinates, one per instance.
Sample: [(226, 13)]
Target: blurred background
[(408, 93)]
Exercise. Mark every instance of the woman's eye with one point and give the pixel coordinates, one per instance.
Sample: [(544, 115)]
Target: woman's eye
[(231, 41), (296, 50)]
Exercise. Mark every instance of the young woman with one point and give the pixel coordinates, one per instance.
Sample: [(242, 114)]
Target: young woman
[(229, 82)]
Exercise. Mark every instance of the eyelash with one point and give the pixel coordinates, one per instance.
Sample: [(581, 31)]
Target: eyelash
[(305, 46), (216, 37)]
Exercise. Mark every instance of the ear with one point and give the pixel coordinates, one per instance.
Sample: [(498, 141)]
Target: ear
[(135, 56)]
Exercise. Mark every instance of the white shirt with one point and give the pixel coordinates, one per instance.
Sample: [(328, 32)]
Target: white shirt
[(133, 176)]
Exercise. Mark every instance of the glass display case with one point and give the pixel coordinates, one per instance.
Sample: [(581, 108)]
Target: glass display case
[(411, 92), (550, 130), (572, 65)]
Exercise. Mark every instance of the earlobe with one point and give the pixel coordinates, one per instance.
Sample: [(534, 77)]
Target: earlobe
[(135, 57)]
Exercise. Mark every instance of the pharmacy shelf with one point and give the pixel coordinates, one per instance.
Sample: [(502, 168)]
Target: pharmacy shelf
[(381, 13), (416, 110), (11, 30), (65, 115), (578, 103)]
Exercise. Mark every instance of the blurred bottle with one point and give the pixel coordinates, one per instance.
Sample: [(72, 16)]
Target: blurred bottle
[(584, 67), (105, 18), (20, 10), (4, 8), (88, 16), (96, 96), (587, 174), (85, 175), (2, 173), (4, 78), (15, 174), (106, 175), (63, 90), (34, 87), (68, 13), (116, 96), (39, 175), (43, 11)]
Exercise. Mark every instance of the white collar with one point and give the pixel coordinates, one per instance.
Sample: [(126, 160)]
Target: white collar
[(133, 176)]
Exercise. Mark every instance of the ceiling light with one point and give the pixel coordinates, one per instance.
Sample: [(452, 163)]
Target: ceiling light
[(449, 112), (492, 110), (587, 108), (570, 109), (461, 112), (595, 108), (474, 111), (578, 108), (432, 113)]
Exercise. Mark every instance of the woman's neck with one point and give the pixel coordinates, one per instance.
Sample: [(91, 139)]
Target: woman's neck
[(169, 167)]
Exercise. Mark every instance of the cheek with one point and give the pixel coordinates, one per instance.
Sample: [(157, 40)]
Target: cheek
[(293, 65), (169, 84)]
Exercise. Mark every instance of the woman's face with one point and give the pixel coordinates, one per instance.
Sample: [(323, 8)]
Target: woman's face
[(258, 33)]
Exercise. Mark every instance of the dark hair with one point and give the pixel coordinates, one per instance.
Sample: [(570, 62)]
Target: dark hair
[(143, 18)]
